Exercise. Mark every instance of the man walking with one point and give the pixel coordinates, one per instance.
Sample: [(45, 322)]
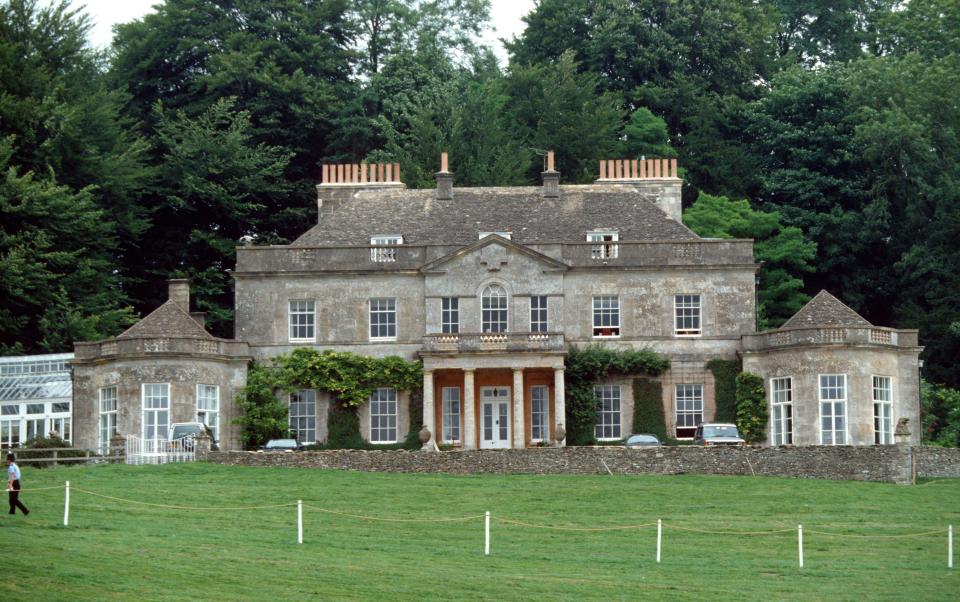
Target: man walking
[(13, 486)]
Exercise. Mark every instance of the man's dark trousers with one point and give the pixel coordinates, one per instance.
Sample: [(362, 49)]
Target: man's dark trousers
[(15, 500)]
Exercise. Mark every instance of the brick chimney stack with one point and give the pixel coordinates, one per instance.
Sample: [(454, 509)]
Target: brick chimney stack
[(444, 180), (180, 292), (551, 179)]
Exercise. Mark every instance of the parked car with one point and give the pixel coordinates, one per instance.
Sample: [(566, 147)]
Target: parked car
[(281, 445), (712, 434), (188, 431), (642, 440)]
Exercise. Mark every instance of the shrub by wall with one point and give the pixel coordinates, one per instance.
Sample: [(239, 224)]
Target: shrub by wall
[(648, 408), (725, 386)]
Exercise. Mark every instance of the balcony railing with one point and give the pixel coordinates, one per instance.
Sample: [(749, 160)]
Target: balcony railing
[(494, 341), (854, 335)]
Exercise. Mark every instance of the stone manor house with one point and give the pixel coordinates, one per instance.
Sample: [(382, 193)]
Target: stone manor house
[(490, 287)]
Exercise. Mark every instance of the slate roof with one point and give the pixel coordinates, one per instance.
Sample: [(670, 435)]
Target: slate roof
[(825, 310), (422, 219), (168, 320)]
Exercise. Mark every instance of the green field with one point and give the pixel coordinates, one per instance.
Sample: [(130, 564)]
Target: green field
[(120, 550)]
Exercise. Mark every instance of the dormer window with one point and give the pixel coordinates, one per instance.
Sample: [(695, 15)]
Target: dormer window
[(506, 235), (382, 248), (605, 244)]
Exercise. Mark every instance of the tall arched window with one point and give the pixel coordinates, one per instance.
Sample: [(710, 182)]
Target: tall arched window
[(494, 309)]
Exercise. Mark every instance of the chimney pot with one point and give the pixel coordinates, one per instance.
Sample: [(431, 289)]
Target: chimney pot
[(444, 180), (179, 289), (550, 160)]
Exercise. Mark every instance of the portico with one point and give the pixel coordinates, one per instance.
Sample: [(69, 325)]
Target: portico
[(493, 401)]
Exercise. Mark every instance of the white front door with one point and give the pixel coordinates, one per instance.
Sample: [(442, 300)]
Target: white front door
[(494, 417)]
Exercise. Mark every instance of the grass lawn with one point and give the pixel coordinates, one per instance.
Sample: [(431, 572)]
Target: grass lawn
[(119, 550)]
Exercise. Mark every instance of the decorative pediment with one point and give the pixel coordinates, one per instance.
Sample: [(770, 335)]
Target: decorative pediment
[(494, 253)]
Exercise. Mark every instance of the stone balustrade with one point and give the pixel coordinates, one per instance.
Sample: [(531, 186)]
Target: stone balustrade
[(494, 341), (848, 335), (149, 345), (406, 257)]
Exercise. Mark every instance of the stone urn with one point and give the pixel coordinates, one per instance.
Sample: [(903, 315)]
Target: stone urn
[(425, 436), (559, 433)]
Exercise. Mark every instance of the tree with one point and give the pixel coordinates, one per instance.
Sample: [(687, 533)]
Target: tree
[(212, 180), (556, 107), (57, 280), (785, 252), (694, 64), (646, 135), (72, 175), (390, 27)]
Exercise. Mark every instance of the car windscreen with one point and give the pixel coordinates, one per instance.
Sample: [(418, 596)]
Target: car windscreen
[(184, 430), (275, 443), (720, 431), (641, 440)]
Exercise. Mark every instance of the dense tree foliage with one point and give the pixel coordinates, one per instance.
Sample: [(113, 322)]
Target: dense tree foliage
[(836, 121)]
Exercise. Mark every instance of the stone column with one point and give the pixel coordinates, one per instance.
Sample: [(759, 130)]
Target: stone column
[(469, 414), (519, 432), (429, 415), (559, 407)]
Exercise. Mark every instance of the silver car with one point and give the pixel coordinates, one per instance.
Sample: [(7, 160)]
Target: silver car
[(712, 434)]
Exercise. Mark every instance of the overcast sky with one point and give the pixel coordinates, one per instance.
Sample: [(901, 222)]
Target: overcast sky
[(505, 17)]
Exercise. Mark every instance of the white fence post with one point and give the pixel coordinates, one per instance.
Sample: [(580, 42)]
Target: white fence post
[(950, 546), (66, 506), (659, 537), (800, 543), (299, 521), (486, 534)]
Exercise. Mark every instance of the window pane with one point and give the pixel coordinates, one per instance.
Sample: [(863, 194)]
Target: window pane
[(608, 411)]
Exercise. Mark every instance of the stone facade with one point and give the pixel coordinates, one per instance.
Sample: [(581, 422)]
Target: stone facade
[(422, 250), (152, 374), (827, 354), (489, 288)]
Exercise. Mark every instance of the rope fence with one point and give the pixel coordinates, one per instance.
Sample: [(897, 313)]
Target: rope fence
[(507, 522)]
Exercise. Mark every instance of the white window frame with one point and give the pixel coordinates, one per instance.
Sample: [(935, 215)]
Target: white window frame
[(384, 407), (301, 422), (208, 408), (687, 315), (450, 315), (882, 387), (781, 410), (539, 313), (159, 406), (688, 405), (609, 412), (494, 319), (383, 318), (539, 416), (606, 247), (302, 320), (507, 235), (836, 398), (450, 412), (107, 423), (606, 305), (383, 247)]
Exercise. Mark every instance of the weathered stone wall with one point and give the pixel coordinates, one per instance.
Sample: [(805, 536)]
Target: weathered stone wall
[(938, 461), (805, 364), (890, 464), (182, 372)]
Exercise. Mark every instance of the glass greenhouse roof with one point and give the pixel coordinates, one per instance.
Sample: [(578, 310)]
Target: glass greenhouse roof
[(30, 377)]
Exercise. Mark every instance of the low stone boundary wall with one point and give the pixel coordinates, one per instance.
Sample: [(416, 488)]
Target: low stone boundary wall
[(938, 462), (888, 463)]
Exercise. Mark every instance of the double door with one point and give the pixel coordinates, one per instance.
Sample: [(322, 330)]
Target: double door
[(494, 417)]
